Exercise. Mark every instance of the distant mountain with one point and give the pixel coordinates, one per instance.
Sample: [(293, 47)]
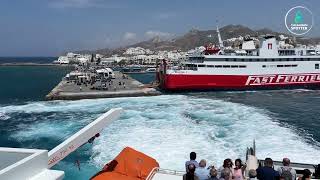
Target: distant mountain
[(195, 38)]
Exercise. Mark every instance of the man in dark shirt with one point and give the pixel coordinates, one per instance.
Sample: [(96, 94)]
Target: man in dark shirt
[(267, 172)]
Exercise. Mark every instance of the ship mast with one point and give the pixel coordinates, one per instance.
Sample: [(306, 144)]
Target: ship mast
[(219, 38)]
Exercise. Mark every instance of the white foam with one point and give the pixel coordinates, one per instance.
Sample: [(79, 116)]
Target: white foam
[(169, 127), (172, 126), (4, 116)]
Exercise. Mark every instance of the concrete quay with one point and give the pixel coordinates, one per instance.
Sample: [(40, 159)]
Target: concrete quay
[(120, 86)]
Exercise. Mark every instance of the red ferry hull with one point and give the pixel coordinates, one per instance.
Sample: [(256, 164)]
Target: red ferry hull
[(239, 82)]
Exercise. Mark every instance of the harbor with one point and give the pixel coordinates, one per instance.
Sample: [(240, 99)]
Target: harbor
[(139, 90), (77, 86)]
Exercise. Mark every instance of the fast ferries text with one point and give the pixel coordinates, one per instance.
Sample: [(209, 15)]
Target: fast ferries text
[(282, 79)]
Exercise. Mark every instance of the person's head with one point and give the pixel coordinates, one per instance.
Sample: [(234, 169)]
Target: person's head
[(306, 173), (252, 173), (227, 163), (238, 163), (203, 163), (225, 173), (193, 156), (286, 161), (191, 168), (268, 162), (213, 172)]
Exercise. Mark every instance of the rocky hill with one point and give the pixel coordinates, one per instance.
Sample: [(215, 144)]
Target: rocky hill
[(195, 38)]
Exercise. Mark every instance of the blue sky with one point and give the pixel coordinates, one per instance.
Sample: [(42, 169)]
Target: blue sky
[(50, 27)]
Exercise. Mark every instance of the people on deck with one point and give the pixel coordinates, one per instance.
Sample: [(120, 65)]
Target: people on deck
[(190, 175), (193, 161), (286, 172), (213, 174), (227, 163), (306, 175), (202, 172), (226, 174), (238, 171), (267, 172), (252, 174)]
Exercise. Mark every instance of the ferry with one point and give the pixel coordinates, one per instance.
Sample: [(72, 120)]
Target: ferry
[(271, 65)]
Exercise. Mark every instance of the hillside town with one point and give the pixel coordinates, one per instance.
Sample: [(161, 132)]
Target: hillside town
[(143, 56), (133, 55)]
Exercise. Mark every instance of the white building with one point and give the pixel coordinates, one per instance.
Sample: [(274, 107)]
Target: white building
[(137, 51), (112, 59)]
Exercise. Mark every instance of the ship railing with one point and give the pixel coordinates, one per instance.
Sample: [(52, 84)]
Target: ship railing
[(164, 171)]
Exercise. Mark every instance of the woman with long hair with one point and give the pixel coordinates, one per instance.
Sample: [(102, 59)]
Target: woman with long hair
[(238, 171)]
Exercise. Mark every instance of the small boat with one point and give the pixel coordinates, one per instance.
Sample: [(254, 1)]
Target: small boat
[(151, 70), (132, 70)]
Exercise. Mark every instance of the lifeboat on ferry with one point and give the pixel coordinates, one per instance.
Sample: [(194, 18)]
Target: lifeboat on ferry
[(210, 49), (128, 165)]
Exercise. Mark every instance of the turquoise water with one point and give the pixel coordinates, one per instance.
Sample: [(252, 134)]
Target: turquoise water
[(31, 83), (216, 125)]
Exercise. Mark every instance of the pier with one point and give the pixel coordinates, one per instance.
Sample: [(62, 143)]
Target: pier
[(119, 86)]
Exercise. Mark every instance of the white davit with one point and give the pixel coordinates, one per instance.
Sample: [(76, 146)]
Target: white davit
[(35, 164)]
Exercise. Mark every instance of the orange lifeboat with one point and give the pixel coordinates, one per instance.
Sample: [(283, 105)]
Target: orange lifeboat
[(128, 165)]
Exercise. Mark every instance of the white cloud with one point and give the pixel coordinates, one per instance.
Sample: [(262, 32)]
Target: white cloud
[(162, 35), (129, 36), (80, 4)]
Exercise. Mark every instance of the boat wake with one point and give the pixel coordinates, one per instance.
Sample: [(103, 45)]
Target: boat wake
[(165, 127), (3, 116)]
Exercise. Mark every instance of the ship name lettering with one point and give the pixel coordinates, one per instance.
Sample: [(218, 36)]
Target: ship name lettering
[(282, 79)]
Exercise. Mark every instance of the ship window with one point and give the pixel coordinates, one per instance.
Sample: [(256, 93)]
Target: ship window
[(264, 66), (294, 65), (234, 59), (242, 66), (272, 59), (316, 66), (201, 65), (242, 60), (234, 66), (226, 66), (250, 60), (279, 65), (288, 65), (211, 66), (218, 66), (258, 60), (226, 59)]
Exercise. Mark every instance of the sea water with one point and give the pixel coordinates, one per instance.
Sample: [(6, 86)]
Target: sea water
[(216, 125)]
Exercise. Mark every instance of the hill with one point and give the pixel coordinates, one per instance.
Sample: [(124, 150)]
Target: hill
[(195, 38)]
